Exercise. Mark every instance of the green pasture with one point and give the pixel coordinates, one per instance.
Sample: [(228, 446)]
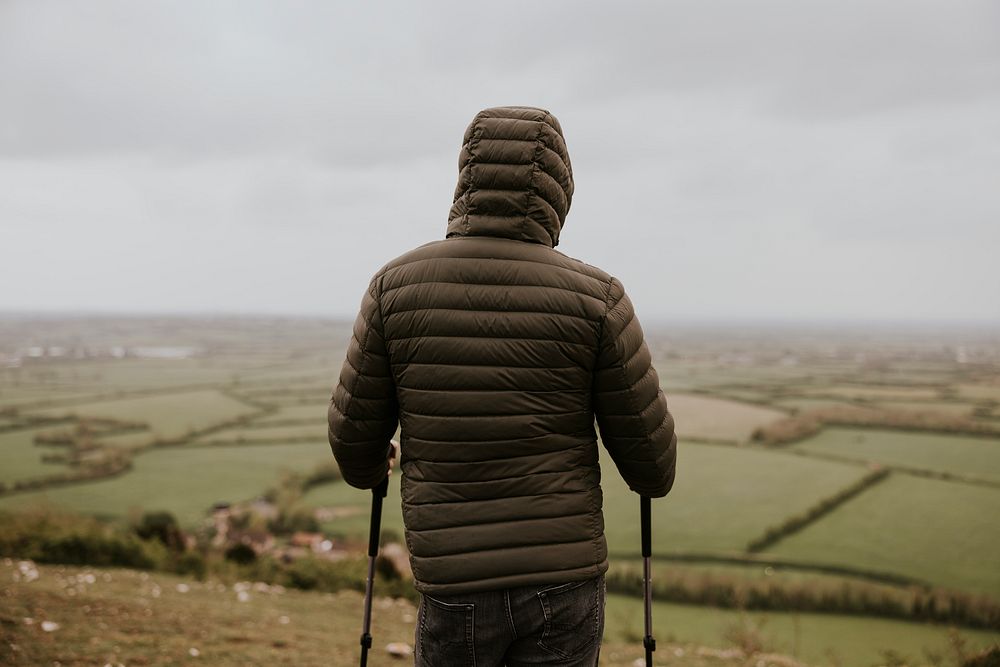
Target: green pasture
[(723, 497), (183, 480), (875, 392), (315, 370), (355, 506), (746, 573), (801, 404), (170, 415), (22, 459), (675, 375), (817, 639), (700, 416), (131, 373), (24, 396), (945, 533), (972, 456), (945, 407), (979, 392), (754, 395), (306, 389), (270, 433), (314, 411)]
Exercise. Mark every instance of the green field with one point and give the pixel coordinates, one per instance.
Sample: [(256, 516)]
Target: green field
[(24, 396), (946, 407), (168, 415), (722, 498), (356, 505), (820, 639), (970, 456), (980, 392), (873, 392), (22, 459), (802, 404), (314, 411), (315, 431), (665, 570), (127, 374), (942, 532), (184, 480)]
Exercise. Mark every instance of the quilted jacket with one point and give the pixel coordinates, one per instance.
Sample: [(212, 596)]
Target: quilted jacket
[(494, 353)]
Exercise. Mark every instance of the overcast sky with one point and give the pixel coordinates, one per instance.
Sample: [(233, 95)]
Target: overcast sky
[(733, 159)]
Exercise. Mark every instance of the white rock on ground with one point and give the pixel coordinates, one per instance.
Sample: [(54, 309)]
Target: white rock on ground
[(399, 650)]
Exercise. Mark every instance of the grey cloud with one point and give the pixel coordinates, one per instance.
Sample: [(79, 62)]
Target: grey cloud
[(775, 158)]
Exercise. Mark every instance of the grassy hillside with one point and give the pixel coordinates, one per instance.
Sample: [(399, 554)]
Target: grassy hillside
[(86, 616), (90, 616)]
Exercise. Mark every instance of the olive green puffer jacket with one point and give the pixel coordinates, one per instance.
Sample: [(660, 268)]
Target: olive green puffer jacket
[(496, 352)]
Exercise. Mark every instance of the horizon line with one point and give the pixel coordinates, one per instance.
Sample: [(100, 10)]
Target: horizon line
[(649, 320)]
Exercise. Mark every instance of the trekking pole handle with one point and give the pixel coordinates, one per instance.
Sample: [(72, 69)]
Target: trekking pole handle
[(382, 490), (378, 493)]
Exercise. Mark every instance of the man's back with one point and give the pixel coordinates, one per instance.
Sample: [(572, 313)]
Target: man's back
[(496, 352)]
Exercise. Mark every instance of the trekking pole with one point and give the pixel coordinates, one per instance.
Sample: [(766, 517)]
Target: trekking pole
[(647, 585), (378, 493)]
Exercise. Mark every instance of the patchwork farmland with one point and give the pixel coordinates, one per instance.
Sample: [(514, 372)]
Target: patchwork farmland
[(824, 477)]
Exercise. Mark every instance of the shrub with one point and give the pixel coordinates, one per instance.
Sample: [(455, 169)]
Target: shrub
[(190, 563), (50, 536), (241, 554), (288, 522), (161, 526), (323, 575)]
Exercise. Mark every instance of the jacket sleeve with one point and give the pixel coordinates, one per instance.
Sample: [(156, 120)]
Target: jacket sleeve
[(636, 426), (363, 411)]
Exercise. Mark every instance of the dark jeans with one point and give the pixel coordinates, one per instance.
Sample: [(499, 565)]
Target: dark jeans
[(530, 625)]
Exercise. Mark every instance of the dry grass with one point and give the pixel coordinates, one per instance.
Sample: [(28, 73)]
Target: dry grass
[(87, 616), (710, 418)]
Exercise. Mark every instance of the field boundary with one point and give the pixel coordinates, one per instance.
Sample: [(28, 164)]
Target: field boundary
[(744, 558), (906, 470), (817, 511), (849, 598)]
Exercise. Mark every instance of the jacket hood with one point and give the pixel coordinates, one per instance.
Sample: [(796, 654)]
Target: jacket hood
[(515, 179)]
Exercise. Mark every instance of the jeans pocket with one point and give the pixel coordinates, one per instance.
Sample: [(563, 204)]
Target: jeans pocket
[(445, 633), (574, 617)]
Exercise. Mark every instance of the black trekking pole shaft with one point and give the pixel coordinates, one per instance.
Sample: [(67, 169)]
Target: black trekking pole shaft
[(378, 493), (647, 584)]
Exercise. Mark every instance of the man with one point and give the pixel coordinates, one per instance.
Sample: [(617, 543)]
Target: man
[(495, 353)]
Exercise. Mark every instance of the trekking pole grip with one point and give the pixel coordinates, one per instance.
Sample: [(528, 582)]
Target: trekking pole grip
[(378, 493)]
